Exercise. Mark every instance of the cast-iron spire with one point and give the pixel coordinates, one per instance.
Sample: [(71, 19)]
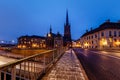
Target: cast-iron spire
[(50, 29), (67, 19)]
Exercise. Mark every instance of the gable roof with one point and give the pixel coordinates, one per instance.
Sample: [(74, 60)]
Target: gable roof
[(106, 25)]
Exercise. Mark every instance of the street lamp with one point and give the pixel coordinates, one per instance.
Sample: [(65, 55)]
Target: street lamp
[(103, 42)]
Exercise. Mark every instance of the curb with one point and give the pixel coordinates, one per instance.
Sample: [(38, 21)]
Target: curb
[(83, 71)]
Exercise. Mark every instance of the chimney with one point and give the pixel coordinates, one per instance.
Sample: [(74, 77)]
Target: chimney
[(118, 21), (91, 29), (108, 20), (86, 31)]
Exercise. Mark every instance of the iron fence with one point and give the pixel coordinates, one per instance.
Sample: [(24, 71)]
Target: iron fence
[(31, 67)]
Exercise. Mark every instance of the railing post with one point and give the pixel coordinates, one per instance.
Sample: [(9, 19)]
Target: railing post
[(0, 75), (20, 71), (24, 69), (28, 69), (44, 64), (59, 53), (4, 75), (34, 69), (53, 56), (13, 74)]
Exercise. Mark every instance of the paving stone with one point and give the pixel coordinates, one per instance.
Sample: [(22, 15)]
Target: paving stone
[(67, 68)]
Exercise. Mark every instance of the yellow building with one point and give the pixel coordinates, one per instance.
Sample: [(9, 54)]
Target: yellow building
[(31, 42), (107, 35)]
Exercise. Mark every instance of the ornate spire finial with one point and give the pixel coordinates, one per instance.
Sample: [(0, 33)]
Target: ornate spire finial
[(50, 29), (67, 19)]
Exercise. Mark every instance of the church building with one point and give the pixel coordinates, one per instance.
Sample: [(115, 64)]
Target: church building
[(51, 41), (67, 33)]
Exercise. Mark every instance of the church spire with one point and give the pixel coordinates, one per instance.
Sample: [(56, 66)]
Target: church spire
[(67, 19), (50, 29), (67, 32)]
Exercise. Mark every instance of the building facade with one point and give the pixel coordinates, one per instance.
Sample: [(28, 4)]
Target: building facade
[(106, 36), (58, 41), (50, 41), (31, 42), (54, 40)]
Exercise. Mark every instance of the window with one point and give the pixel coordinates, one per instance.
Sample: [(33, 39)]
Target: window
[(114, 33), (102, 34), (95, 36), (110, 34), (92, 42), (119, 33), (89, 37), (92, 37), (110, 39)]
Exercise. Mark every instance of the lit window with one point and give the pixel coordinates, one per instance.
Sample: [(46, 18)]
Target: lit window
[(49, 35), (117, 43), (103, 42), (24, 46), (34, 45), (110, 39)]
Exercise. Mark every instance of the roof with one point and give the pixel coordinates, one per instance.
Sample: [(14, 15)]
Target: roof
[(58, 35), (106, 25), (33, 36)]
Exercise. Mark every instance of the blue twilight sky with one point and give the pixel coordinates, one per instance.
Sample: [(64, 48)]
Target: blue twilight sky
[(33, 17)]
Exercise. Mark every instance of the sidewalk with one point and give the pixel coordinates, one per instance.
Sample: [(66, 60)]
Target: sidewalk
[(67, 68)]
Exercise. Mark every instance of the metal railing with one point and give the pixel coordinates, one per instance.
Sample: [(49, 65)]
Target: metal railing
[(30, 68)]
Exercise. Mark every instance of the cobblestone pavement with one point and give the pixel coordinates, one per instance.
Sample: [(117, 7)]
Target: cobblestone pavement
[(67, 68)]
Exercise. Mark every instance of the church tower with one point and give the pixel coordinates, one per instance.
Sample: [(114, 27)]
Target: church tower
[(67, 32)]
